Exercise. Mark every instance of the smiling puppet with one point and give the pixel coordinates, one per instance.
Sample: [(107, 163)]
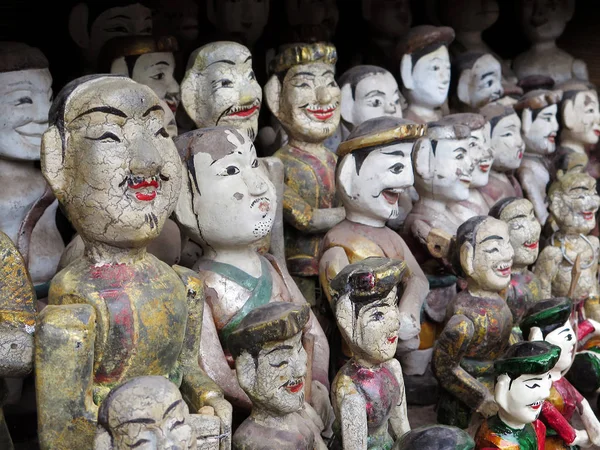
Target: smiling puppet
[(368, 391), (465, 351), (271, 367), (523, 382)]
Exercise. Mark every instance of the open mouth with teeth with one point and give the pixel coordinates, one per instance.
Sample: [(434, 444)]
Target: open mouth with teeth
[(144, 188), (321, 113), (172, 104), (531, 245), (587, 215), (294, 386), (536, 405), (391, 195), (504, 269), (244, 111)]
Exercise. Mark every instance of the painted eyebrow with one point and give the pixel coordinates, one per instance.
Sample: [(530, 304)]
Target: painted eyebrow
[(547, 114), (394, 152), (281, 347), (305, 74), (153, 108), (566, 330), (105, 110), (27, 82), (172, 407), (225, 61), (513, 126), (375, 305), (164, 63), (534, 379), (249, 58), (328, 72), (460, 149), (518, 216), (120, 16), (474, 137), (492, 237), (143, 420), (375, 92), (580, 188), (487, 74)]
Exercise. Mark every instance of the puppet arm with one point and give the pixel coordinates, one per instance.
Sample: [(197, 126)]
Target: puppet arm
[(546, 268), (449, 351), (352, 413), (299, 214), (399, 417)]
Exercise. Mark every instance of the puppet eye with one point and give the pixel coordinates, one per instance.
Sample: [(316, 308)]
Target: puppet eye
[(229, 171), (255, 163), (397, 168)]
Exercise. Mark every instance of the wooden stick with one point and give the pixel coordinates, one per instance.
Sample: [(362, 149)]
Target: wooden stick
[(575, 274), (308, 342)]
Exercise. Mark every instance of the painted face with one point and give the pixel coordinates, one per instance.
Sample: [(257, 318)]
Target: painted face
[(507, 143), (179, 17), (482, 156), (522, 402), (383, 175), (524, 231), (243, 18), (575, 208), (431, 75), (485, 82), (374, 334), (565, 338), (25, 98), (453, 170), (166, 424), (237, 202), (543, 20), (122, 168), (375, 96), (310, 100), (540, 137), (492, 256), (227, 93), (390, 17), (280, 376), (131, 20), (585, 116), (470, 15), (154, 70)]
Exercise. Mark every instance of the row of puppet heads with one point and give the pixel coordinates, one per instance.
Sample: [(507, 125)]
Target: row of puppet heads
[(543, 21)]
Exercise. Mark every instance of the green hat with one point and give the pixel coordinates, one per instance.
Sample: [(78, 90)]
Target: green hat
[(435, 437), (527, 358), (548, 315), (368, 280), (272, 322)]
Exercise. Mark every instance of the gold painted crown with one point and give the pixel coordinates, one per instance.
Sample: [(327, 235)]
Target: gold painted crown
[(400, 133), (303, 54)]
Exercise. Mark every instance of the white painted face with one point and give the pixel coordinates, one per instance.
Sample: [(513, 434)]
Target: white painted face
[(310, 100), (375, 96), (131, 20), (565, 338), (154, 70), (524, 231), (25, 98), (374, 188), (452, 171), (237, 201), (492, 258), (482, 156), (374, 334), (225, 93), (544, 20), (276, 382), (521, 400), (390, 17), (540, 134), (243, 18), (431, 76), (483, 81), (507, 143), (582, 117), (575, 208)]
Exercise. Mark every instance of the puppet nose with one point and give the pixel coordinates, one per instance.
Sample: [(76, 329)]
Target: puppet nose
[(323, 95), (146, 158), (256, 185)]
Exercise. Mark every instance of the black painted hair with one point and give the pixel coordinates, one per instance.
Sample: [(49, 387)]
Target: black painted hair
[(499, 206)]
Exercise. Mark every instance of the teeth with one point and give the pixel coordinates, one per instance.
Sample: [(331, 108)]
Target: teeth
[(535, 403), (504, 266)]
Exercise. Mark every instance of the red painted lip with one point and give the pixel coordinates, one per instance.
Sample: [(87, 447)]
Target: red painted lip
[(597, 132), (145, 196), (538, 406), (532, 246), (587, 215), (484, 167), (295, 388), (172, 106), (143, 184), (390, 196), (392, 339), (245, 112), (505, 272), (552, 138), (520, 154), (322, 114)]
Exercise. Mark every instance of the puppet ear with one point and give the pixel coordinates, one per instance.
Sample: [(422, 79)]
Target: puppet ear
[(466, 258), (189, 85), (78, 25), (501, 391), (345, 176), (535, 334), (184, 209), (245, 371), (272, 94), (347, 104), (526, 120), (406, 72), (119, 67), (52, 162), (462, 89), (102, 441), (423, 159), (569, 119)]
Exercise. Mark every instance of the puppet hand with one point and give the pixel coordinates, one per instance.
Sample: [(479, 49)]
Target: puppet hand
[(582, 439), (223, 411), (488, 407)]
